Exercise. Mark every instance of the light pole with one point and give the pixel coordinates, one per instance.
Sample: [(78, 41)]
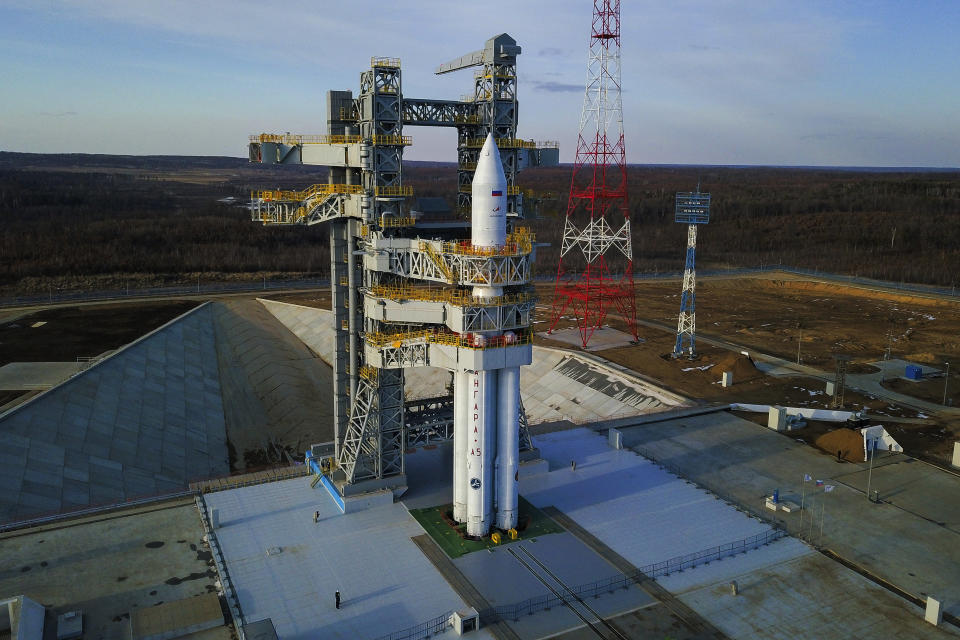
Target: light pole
[(799, 341), (946, 380), (873, 448)]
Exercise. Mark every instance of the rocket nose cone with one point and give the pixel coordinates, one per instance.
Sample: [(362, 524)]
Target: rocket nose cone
[(489, 168)]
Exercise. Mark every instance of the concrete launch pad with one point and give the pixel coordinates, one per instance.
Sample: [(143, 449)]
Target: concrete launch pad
[(602, 338)]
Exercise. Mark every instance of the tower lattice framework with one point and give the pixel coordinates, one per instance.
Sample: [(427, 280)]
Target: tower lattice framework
[(595, 272)]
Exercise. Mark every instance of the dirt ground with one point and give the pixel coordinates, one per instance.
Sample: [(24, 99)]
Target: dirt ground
[(68, 333), (319, 299), (763, 313)]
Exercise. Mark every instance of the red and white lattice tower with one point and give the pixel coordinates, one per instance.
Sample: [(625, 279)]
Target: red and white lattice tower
[(596, 258)]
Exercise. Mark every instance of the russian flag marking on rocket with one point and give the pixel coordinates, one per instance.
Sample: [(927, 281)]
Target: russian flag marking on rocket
[(497, 194)]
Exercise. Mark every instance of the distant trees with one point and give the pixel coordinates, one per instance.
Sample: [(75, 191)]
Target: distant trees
[(76, 217)]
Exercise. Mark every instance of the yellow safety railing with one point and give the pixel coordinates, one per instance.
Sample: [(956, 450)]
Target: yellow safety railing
[(364, 230), (393, 191), (519, 242), (368, 373), (304, 139), (468, 341), (502, 143), (378, 339), (381, 61), (310, 192), (347, 113), (388, 222), (448, 338), (437, 260), (392, 140), (459, 297), (489, 76), (474, 119)]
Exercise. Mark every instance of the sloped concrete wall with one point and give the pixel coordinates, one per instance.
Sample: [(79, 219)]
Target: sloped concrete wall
[(315, 328), (558, 385), (146, 420), (275, 389)]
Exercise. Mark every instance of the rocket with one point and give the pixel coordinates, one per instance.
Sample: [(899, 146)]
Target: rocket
[(486, 415)]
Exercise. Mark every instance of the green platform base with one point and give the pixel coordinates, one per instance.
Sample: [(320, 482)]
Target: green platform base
[(450, 538)]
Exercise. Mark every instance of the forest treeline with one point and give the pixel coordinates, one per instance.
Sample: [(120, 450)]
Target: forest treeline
[(77, 221)]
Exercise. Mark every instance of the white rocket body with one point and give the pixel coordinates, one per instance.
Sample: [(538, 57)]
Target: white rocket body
[(486, 416), (488, 216)]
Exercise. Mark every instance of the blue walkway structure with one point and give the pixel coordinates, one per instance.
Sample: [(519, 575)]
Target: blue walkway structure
[(692, 208)]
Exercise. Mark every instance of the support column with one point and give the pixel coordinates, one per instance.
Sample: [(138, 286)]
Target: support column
[(687, 323), (508, 447), (353, 283), (342, 393), (482, 391)]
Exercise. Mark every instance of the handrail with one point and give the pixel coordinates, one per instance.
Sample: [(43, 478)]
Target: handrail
[(293, 139), (307, 194), (473, 341), (383, 61), (502, 143), (458, 297)]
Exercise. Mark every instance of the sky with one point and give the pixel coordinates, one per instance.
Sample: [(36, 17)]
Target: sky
[(728, 82)]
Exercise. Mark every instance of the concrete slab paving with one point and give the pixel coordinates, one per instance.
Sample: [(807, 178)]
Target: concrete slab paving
[(36, 375), (602, 338), (895, 541), (809, 597), (110, 565), (386, 582), (641, 511)]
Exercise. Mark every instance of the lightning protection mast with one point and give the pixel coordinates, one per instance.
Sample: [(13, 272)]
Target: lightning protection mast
[(692, 208), (595, 272)]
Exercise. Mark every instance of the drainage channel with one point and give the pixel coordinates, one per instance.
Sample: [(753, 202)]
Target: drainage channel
[(567, 596)]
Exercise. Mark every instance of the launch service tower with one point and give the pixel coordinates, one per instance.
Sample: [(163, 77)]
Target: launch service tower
[(413, 289)]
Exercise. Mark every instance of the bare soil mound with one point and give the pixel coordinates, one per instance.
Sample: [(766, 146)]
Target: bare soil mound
[(847, 441), (740, 365)]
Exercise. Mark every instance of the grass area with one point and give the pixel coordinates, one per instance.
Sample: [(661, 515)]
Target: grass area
[(533, 523)]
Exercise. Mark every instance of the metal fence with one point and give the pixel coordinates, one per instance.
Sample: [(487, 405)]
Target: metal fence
[(58, 295), (422, 630), (624, 581)]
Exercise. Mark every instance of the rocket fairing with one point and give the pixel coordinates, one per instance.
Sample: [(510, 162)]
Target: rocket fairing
[(488, 216), (486, 416)]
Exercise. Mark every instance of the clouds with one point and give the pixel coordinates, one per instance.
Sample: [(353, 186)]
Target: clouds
[(705, 81), (556, 87)]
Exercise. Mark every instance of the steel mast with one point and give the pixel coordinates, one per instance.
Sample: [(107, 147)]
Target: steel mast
[(595, 271), (692, 208)]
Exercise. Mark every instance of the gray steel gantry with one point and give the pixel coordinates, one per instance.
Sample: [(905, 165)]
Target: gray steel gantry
[(374, 242)]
